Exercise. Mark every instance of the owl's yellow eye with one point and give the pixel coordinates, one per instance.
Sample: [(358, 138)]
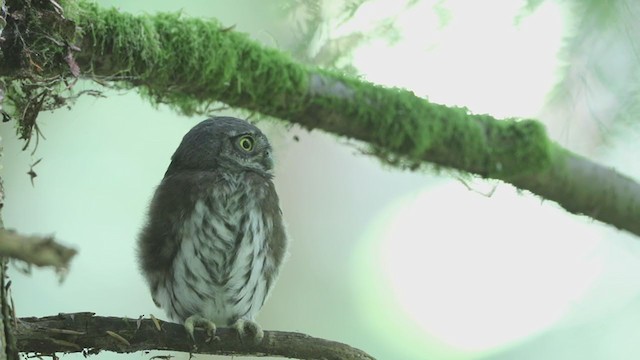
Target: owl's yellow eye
[(246, 142)]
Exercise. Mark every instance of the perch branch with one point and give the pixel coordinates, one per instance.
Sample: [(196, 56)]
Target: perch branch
[(36, 250), (90, 334)]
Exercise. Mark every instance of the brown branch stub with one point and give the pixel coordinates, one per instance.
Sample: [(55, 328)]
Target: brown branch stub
[(36, 250), (79, 331)]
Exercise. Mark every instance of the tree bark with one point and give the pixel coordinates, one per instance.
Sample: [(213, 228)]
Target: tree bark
[(190, 64), (4, 322), (7, 340), (89, 334)]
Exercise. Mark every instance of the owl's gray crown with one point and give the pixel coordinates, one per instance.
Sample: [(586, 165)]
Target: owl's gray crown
[(223, 142)]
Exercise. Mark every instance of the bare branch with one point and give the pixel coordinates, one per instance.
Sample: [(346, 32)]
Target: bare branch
[(84, 332), (36, 250), (582, 186)]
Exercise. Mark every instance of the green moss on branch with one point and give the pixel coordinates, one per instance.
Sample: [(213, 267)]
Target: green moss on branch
[(190, 63)]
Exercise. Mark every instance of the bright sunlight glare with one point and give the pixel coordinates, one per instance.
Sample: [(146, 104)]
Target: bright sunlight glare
[(449, 290), (478, 54), (468, 294), (473, 292)]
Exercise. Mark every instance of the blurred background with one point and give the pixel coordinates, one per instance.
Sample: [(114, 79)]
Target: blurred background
[(404, 265)]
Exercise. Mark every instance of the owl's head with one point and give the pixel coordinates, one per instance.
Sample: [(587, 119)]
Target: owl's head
[(226, 143)]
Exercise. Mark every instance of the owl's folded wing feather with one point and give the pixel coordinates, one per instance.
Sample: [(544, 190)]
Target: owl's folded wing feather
[(160, 238)]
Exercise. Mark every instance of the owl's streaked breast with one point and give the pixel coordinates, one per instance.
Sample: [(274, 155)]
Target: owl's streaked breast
[(219, 269)]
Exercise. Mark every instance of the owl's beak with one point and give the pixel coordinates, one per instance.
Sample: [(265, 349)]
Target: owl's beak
[(267, 160)]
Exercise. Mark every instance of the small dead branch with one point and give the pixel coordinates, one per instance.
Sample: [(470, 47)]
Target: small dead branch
[(36, 250)]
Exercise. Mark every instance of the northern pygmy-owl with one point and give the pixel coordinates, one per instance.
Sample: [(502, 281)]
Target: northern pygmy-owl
[(214, 239)]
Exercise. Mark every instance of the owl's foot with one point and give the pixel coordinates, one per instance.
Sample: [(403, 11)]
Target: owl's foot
[(209, 325), (249, 330)]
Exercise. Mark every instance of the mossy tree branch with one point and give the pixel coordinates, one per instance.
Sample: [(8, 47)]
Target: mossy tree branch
[(191, 63), (89, 334)]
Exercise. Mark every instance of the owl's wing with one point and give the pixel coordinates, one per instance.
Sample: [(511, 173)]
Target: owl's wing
[(160, 239), (277, 241)]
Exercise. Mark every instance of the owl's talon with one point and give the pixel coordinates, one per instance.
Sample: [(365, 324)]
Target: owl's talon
[(210, 327), (249, 330)]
